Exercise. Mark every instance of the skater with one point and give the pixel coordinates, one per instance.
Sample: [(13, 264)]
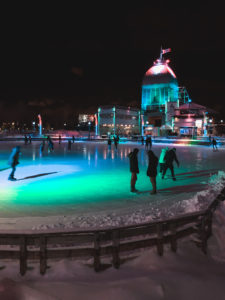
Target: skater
[(42, 147), (133, 169), (25, 139), (142, 140), (214, 144), (169, 158), (161, 159), (69, 145), (109, 143), (210, 139), (14, 161), (146, 143), (150, 142), (152, 170), (115, 138), (60, 139), (30, 139), (50, 144), (73, 139)]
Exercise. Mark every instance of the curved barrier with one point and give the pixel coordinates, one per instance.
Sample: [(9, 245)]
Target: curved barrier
[(108, 242)]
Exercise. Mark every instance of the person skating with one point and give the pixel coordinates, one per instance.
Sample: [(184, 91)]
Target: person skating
[(152, 170), (73, 139), (30, 139), (169, 158), (14, 161), (150, 142), (25, 139), (60, 139), (133, 169), (146, 143), (142, 141), (69, 145), (115, 138), (50, 144), (109, 143), (161, 159), (42, 146), (214, 144)]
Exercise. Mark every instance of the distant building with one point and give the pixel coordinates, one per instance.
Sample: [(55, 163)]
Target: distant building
[(118, 120), (192, 119), (85, 118)]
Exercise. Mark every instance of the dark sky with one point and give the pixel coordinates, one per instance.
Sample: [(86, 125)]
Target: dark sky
[(61, 60)]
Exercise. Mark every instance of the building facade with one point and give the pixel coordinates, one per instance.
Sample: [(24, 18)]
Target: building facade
[(117, 120), (192, 119)]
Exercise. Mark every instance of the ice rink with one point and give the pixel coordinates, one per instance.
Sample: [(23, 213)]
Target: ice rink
[(93, 181)]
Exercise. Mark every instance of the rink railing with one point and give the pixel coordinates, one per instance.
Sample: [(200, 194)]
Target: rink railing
[(105, 243)]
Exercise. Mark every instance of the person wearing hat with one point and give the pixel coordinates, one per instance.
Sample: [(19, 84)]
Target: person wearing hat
[(14, 161), (152, 170), (133, 169), (169, 158)]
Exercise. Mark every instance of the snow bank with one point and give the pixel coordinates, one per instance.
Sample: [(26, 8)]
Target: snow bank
[(148, 213)]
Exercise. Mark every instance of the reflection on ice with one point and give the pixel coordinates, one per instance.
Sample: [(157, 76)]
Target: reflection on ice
[(92, 176)]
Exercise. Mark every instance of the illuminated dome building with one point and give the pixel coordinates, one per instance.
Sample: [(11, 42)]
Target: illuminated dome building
[(160, 93)]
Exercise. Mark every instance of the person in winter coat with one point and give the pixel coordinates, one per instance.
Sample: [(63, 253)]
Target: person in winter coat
[(14, 161), (169, 158), (133, 169), (214, 144), (150, 142), (69, 145), (161, 159), (50, 144), (152, 170)]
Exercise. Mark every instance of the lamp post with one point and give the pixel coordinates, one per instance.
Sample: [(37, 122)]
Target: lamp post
[(89, 128)]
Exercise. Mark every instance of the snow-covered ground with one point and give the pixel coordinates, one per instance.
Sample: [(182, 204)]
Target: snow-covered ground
[(187, 274), (89, 186)]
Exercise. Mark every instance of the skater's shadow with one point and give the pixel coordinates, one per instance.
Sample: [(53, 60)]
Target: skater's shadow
[(37, 175), (5, 169), (194, 174), (179, 189)]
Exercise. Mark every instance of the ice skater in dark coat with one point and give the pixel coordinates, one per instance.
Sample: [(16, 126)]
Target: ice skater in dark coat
[(152, 170), (14, 161), (133, 169), (169, 158), (214, 144)]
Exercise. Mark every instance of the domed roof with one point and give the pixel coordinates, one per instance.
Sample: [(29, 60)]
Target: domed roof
[(160, 72)]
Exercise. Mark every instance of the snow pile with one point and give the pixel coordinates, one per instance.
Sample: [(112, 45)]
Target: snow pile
[(148, 213), (217, 243), (202, 199)]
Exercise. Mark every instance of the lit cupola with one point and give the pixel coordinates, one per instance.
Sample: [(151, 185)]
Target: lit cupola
[(159, 85)]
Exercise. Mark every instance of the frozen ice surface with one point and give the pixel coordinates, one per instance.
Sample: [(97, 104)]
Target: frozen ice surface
[(89, 186)]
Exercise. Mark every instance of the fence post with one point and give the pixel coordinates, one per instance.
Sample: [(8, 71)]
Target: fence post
[(23, 255), (173, 243), (43, 255), (160, 239), (97, 263), (203, 235), (115, 249)]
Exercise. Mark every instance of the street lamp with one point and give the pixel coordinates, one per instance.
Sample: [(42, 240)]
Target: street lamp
[(89, 128)]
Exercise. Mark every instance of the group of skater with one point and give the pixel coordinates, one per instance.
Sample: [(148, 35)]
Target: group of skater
[(116, 139), (167, 157)]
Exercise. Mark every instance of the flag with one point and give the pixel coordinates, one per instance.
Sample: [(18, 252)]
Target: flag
[(166, 50)]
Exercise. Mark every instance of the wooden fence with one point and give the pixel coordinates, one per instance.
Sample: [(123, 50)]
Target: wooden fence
[(108, 242)]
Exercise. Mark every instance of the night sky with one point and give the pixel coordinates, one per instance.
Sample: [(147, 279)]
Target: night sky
[(60, 60)]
